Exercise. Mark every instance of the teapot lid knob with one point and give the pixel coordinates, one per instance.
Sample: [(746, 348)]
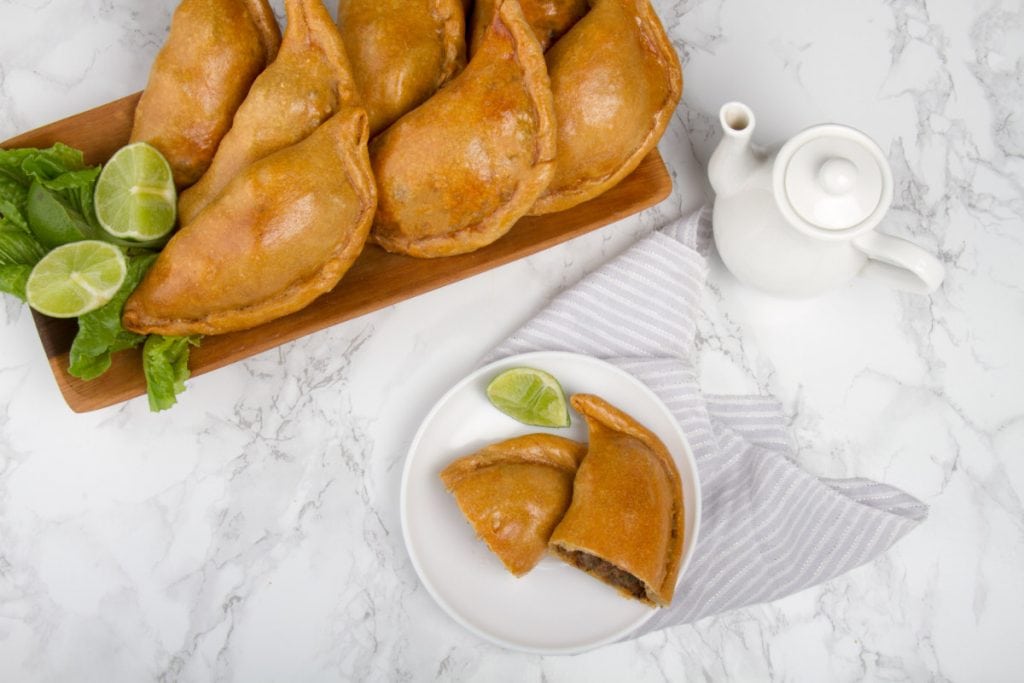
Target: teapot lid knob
[(837, 175), (833, 178)]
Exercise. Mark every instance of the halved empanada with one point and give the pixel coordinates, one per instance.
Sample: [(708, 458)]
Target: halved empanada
[(616, 81), (308, 83), (215, 50), (548, 18), (456, 173), (625, 523), (515, 492), (402, 51), (282, 233)]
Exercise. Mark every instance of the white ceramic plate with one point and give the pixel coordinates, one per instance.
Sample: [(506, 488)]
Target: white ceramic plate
[(555, 609)]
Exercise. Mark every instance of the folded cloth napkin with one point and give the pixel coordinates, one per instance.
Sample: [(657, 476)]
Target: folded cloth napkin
[(768, 528)]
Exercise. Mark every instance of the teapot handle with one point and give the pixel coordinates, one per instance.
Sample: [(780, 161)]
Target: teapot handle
[(899, 263)]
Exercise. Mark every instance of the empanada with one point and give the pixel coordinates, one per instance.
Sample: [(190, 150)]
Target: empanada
[(616, 80), (456, 173), (306, 84), (625, 523), (215, 50), (515, 492), (548, 18), (282, 233), (402, 51)]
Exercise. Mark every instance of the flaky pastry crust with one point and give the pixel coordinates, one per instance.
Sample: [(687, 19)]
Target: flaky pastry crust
[(625, 523), (514, 492), (282, 233), (215, 50), (616, 81), (456, 173)]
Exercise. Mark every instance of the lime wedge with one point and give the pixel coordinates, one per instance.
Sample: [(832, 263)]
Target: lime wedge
[(531, 396), (135, 195), (76, 278)]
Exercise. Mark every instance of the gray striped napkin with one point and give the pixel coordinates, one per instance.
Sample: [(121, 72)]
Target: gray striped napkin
[(768, 528)]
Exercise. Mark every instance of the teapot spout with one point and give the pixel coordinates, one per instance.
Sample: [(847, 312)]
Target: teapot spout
[(733, 162)]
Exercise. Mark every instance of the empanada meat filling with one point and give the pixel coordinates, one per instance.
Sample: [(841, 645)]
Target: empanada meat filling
[(625, 523), (613, 576), (607, 572)]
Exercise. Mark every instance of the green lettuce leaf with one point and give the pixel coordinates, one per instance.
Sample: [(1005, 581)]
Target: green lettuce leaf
[(19, 251), (53, 220), (28, 164), (61, 167), (12, 219), (13, 279), (165, 364), (100, 334), (18, 248), (13, 198), (77, 188)]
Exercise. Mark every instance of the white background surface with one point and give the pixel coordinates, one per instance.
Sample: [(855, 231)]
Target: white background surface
[(252, 534)]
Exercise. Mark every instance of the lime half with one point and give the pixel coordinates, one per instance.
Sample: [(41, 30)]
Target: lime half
[(531, 396), (76, 278), (135, 195)]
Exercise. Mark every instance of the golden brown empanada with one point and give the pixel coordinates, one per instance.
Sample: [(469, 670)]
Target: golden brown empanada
[(515, 492), (456, 173), (282, 233), (548, 18), (306, 84), (402, 51), (215, 50), (625, 523), (616, 81)]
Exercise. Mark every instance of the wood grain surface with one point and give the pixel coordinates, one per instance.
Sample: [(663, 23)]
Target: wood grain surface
[(377, 279)]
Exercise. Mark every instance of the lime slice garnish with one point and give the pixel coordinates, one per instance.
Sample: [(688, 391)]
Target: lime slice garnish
[(135, 195), (531, 396), (76, 278)]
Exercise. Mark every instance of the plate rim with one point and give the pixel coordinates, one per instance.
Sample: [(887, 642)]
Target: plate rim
[(407, 468)]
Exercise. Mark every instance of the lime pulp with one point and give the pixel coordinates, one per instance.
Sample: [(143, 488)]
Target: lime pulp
[(531, 396), (135, 195), (76, 278)]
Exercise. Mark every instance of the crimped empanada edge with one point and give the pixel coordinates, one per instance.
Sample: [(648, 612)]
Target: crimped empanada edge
[(585, 190)]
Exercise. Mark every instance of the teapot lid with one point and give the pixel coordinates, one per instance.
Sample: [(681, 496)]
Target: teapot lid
[(834, 179)]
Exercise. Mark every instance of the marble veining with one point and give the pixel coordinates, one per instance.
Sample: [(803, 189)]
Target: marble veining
[(252, 533)]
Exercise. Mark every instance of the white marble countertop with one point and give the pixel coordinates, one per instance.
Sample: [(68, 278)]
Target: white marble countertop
[(252, 533)]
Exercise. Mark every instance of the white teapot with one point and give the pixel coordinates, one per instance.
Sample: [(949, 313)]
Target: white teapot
[(801, 221)]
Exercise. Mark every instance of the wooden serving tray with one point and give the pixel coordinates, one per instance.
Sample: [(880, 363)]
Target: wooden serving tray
[(378, 279)]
